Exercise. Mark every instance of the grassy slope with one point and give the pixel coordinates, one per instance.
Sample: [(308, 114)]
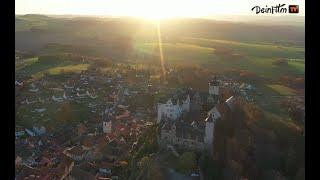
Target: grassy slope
[(282, 90), (25, 62), (250, 49), (179, 52), (258, 57), (68, 69)]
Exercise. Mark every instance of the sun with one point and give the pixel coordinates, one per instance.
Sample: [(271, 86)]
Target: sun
[(158, 16), (157, 10)]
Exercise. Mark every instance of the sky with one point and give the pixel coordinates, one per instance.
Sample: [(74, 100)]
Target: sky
[(148, 8)]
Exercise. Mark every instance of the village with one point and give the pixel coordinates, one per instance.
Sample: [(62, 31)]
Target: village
[(87, 149), (109, 122), (107, 143)]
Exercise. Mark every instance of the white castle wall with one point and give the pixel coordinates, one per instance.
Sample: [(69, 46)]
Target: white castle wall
[(173, 111)]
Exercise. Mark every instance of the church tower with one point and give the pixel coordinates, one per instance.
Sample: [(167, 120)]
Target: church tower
[(106, 126), (106, 123), (213, 92)]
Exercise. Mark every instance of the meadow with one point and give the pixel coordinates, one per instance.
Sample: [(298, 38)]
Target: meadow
[(282, 90), (256, 58), (68, 69)]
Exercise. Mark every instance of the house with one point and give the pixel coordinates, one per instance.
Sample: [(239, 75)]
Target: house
[(19, 133), (28, 102), (88, 143), (90, 95), (30, 161), (48, 158), (76, 153), (63, 170), (40, 110), (89, 167), (79, 174), (126, 92), (105, 168), (68, 87), (81, 129), (39, 130), (34, 90), (30, 133), (59, 99), (18, 160), (27, 172), (101, 141), (18, 83)]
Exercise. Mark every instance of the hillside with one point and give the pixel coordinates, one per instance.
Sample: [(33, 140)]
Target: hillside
[(79, 29)]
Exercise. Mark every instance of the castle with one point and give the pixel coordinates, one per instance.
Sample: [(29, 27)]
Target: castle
[(180, 126), (173, 111)]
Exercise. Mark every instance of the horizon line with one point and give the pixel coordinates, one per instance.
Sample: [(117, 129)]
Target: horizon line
[(212, 15)]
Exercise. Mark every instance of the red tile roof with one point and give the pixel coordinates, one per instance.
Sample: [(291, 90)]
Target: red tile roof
[(76, 150)]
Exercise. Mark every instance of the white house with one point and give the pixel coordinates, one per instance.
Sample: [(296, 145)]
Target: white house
[(18, 83), (57, 99), (105, 168), (31, 133), (34, 90), (40, 110), (19, 133), (39, 130)]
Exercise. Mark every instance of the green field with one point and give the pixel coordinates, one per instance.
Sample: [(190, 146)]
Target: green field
[(298, 66), (25, 62), (282, 90), (179, 52), (182, 43), (250, 49), (36, 67), (68, 69), (256, 58)]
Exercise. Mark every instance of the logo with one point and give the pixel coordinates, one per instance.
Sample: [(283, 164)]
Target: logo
[(280, 8), (293, 9)]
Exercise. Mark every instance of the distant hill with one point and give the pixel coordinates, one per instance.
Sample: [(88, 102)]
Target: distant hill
[(262, 20), (34, 32)]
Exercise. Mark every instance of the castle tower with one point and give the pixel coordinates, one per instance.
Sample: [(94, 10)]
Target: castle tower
[(186, 104), (213, 115), (196, 103)]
